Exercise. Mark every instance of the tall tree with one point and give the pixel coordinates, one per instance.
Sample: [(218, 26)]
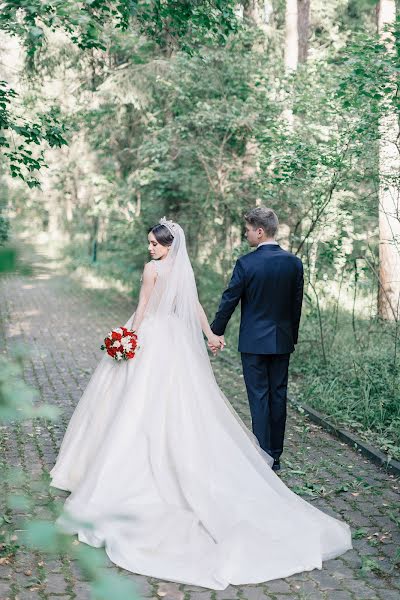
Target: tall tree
[(258, 11), (389, 192), (291, 36), (303, 28), (297, 21)]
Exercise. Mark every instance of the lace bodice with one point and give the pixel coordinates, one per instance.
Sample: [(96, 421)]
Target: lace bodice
[(162, 271)]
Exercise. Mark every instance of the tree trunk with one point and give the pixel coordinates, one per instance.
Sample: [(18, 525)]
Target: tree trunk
[(303, 28), (297, 21), (291, 36), (259, 11), (252, 10), (389, 200)]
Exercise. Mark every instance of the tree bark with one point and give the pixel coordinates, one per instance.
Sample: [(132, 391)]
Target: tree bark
[(259, 11), (389, 197), (252, 10), (303, 28), (297, 20)]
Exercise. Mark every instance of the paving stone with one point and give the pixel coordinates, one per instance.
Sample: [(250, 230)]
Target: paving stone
[(205, 595), (388, 594), (142, 585), (194, 588), (54, 566), (4, 589), (340, 571), (278, 585), (252, 593), (395, 581), (77, 572), (360, 589), (82, 591), (229, 593), (6, 571), (308, 589), (364, 548), (55, 583), (352, 559), (375, 582), (29, 595), (325, 580)]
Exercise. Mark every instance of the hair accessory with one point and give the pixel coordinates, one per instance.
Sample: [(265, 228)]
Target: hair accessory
[(170, 225)]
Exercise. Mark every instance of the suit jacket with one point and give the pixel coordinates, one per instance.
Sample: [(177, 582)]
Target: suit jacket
[(269, 282)]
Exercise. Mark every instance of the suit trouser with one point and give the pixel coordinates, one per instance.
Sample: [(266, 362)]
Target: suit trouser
[(266, 379)]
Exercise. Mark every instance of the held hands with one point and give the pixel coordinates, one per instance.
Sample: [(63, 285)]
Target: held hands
[(215, 343)]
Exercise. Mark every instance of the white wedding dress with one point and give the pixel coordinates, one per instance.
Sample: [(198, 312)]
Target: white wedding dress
[(165, 475)]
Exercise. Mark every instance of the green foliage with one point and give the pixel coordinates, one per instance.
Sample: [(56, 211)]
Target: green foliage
[(183, 24), (187, 25), (83, 21), (4, 229), (369, 82), (19, 135), (170, 24)]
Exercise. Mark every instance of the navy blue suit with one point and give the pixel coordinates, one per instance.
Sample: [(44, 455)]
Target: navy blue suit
[(269, 284)]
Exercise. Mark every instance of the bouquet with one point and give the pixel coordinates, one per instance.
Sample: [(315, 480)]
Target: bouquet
[(120, 343)]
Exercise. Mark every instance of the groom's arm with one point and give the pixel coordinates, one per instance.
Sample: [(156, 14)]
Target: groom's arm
[(298, 301), (229, 301)]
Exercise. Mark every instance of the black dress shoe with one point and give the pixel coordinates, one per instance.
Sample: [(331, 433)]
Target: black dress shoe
[(277, 465)]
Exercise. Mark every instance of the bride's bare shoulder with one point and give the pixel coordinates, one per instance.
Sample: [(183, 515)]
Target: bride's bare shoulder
[(150, 267), (149, 271)]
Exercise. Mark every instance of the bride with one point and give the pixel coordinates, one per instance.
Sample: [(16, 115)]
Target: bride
[(161, 469)]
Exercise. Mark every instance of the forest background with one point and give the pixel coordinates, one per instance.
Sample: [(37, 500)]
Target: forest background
[(114, 114)]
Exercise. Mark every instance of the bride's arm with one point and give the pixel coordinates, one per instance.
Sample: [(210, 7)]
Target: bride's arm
[(214, 339), (148, 281)]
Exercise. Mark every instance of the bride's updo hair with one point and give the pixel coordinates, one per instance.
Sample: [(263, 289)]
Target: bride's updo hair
[(162, 234)]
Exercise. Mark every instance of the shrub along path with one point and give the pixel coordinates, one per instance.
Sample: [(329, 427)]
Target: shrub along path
[(64, 321)]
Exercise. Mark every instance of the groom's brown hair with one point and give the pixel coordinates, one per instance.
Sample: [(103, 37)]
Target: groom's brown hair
[(263, 217)]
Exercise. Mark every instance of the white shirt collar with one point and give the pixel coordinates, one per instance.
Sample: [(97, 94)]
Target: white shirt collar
[(263, 243)]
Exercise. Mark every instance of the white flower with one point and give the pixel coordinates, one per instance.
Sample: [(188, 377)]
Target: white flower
[(118, 355), (116, 344), (126, 343), (118, 330)]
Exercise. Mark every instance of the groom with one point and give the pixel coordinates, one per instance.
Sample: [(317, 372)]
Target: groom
[(269, 283)]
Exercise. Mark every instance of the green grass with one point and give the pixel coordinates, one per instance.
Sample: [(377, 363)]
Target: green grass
[(358, 385)]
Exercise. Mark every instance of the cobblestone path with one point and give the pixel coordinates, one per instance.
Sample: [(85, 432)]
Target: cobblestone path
[(64, 321)]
